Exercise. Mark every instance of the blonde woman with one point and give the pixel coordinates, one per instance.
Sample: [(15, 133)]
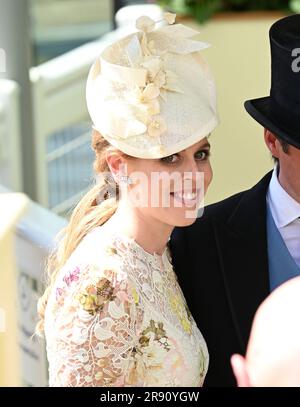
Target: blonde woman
[(113, 313)]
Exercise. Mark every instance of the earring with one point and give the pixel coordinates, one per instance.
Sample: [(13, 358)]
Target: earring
[(125, 179)]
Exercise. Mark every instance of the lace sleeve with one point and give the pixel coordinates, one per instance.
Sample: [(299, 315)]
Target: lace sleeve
[(95, 329)]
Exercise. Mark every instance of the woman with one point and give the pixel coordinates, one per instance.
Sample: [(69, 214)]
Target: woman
[(114, 314)]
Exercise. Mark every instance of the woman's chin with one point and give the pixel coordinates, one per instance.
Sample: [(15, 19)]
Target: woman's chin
[(186, 222), (187, 219)]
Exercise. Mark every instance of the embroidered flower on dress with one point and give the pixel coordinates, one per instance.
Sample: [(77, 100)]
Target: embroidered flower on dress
[(148, 356), (182, 312), (175, 363), (135, 295), (71, 276), (59, 294), (111, 251), (159, 334), (96, 296)]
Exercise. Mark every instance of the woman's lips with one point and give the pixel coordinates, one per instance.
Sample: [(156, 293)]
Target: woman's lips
[(189, 199)]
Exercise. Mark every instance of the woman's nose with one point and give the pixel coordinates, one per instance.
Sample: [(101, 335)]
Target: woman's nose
[(191, 167), (192, 174)]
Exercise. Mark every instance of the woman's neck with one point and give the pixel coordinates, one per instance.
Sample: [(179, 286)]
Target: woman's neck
[(151, 234)]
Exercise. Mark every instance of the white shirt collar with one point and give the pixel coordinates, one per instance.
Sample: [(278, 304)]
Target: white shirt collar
[(284, 208)]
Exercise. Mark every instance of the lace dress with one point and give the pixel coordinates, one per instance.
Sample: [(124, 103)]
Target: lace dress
[(117, 317)]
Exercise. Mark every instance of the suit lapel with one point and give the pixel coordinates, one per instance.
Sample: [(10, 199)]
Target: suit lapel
[(243, 257)]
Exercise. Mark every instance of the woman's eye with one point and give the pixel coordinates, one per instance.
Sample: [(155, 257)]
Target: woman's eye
[(170, 159), (174, 158), (202, 155)]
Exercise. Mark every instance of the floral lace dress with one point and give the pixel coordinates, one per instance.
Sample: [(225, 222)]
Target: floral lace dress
[(117, 317)]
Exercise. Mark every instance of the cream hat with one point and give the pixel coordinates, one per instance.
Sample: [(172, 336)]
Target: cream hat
[(151, 94)]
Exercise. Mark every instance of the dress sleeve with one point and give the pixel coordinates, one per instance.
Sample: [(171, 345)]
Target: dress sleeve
[(95, 330)]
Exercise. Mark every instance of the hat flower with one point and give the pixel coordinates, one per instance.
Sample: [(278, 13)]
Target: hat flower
[(157, 126), (145, 24), (158, 79)]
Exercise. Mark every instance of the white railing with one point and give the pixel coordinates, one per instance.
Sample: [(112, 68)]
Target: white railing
[(34, 237), (61, 118), (12, 206), (10, 140), (62, 156), (61, 25)]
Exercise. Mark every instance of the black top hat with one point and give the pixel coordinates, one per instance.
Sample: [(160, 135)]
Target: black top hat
[(280, 112)]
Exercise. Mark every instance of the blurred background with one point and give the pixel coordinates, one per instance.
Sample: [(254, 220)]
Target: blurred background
[(46, 49)]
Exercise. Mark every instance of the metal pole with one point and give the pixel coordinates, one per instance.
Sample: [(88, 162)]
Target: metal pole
[(15, 40)]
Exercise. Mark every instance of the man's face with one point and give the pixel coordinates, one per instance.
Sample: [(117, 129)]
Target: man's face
[(290, 171), (289, 163)]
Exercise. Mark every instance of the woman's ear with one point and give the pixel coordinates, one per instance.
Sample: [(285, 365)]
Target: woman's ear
[(239, 367), (116, 163)]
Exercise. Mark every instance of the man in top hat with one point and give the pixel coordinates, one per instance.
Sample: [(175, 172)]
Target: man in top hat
[(244, 247)]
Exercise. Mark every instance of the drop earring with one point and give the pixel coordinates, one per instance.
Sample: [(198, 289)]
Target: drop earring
[(125, 179)]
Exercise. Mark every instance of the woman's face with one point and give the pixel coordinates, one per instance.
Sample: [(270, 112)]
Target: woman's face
[(170, 189)]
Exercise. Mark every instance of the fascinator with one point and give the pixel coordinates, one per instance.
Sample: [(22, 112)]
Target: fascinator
[(151, 94)]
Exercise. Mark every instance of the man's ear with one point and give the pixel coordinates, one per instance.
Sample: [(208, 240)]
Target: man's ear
[(272, 143), (239, 367)]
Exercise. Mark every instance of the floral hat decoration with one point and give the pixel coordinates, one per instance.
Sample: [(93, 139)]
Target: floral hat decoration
[(151, 94)]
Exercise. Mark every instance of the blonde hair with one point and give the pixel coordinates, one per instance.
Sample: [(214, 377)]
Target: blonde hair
[(94, 209)]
